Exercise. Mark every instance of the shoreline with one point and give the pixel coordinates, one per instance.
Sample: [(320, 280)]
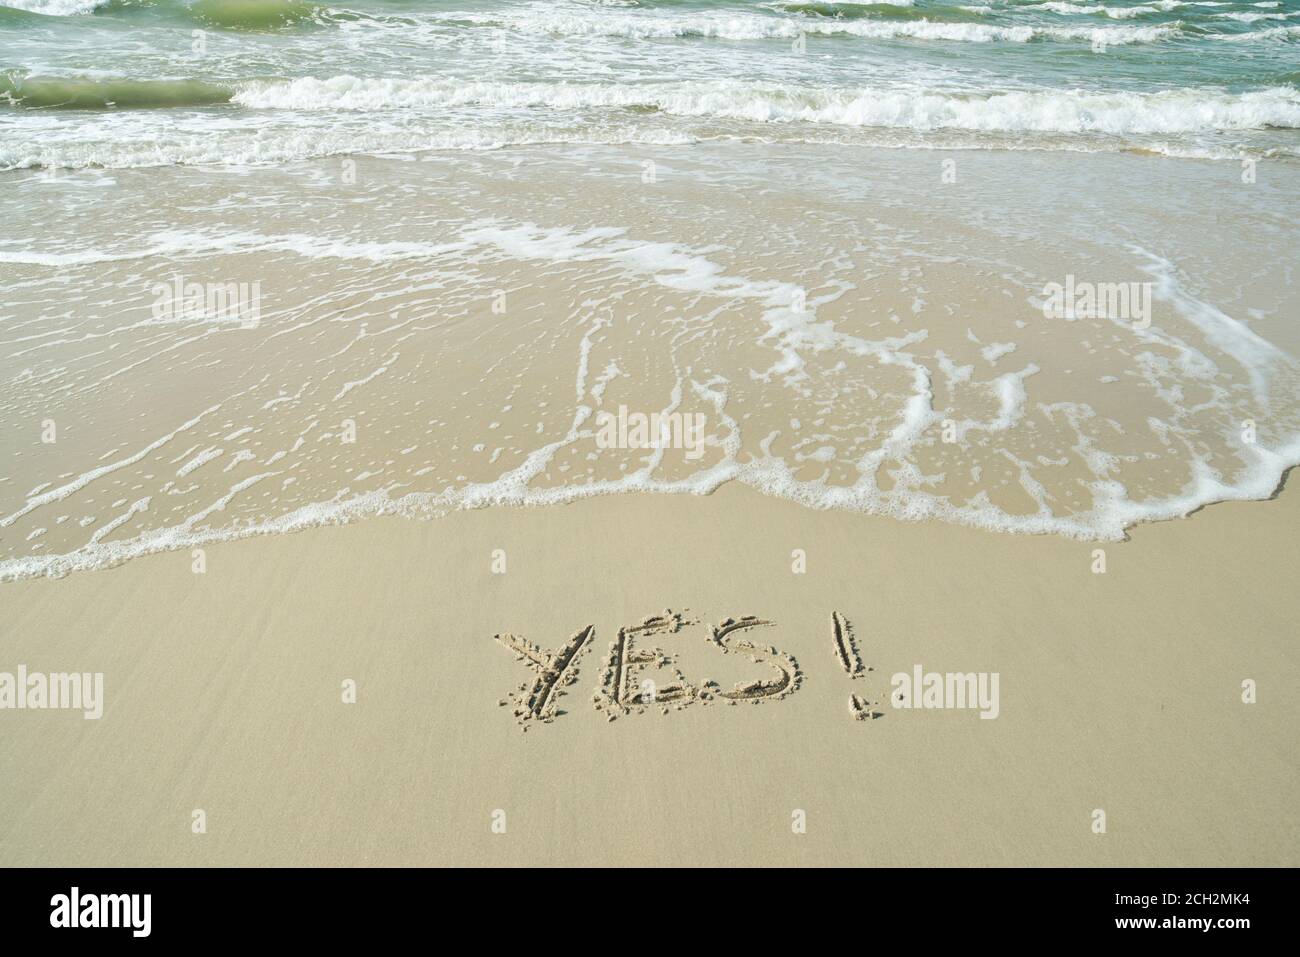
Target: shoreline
[(78, 563)]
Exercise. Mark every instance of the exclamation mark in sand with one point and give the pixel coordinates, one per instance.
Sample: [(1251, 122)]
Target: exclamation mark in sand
[(846, 653)]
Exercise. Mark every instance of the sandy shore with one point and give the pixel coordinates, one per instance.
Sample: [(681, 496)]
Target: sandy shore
[(1118, 691)]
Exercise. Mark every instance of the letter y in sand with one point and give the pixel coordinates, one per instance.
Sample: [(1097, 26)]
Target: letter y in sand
[(536, 701)]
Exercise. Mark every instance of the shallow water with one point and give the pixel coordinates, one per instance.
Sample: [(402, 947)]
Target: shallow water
[(855, 329)]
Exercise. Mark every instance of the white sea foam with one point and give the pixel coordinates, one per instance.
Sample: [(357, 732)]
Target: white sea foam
[(793, 331), (728, 26), (1252, 17), (81, 481), (55, 8), (1059, 111), (204, 457), (1275, 34), (1165, 6), (1116, 13), (445, 114), (124, 148), (1257, 357), (1108, 520)]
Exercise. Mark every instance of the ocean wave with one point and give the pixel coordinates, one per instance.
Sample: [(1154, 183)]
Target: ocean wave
[(1270, 33), (899, 20), (55, 8), (843, 11), (261, 148), (345, 114), (751, 27), (1097, 9), (1252, 17), (84, 93), (254, 14), (226, 14), (935, 13), (1056, 111), (1162, 6)]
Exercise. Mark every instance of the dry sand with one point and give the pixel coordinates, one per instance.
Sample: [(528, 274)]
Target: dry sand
[(1118, 691)]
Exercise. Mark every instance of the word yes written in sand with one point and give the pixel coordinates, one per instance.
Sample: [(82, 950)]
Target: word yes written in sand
[(636, 653)]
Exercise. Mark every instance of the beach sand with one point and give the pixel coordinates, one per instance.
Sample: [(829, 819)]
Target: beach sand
[(1119, 691)]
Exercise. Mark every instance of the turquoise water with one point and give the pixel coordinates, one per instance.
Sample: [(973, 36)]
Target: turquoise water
[(157, 82)]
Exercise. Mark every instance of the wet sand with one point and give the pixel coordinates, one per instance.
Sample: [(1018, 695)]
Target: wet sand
[(225, 693)]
